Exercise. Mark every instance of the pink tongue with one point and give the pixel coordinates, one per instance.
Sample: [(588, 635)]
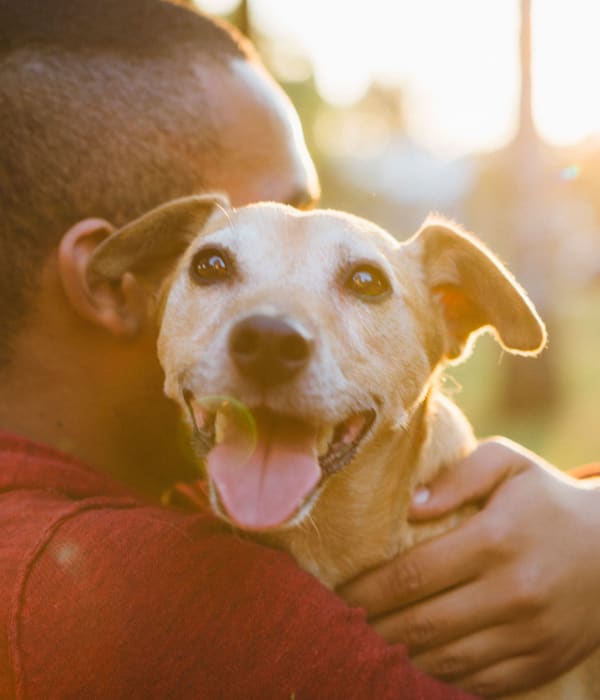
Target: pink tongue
[(262, 489)]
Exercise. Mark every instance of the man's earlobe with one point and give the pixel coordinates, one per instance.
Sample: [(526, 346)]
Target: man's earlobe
[(117, 306)]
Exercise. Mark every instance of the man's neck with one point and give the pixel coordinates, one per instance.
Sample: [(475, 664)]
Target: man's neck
[(111, 414)]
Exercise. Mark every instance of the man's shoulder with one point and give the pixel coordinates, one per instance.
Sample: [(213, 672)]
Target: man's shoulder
[(145, 601), (38, 518), (57, 512)]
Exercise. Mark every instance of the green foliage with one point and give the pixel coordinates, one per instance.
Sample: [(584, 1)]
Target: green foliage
[(567, 435)]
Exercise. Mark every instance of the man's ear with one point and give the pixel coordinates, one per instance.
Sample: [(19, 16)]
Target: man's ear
[(474, 291), (108, 275), (118, 307)]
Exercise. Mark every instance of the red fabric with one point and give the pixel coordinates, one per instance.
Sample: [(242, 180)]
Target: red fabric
[(104, 596)]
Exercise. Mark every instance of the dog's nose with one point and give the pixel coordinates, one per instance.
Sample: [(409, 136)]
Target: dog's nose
[(269, 349)]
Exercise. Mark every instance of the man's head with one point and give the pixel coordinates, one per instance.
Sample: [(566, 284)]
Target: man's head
[(108, 108)]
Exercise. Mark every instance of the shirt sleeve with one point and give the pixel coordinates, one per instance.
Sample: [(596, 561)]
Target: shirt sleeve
[(146, 603)]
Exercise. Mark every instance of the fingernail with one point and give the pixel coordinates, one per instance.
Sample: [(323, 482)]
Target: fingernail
[(421, 496)]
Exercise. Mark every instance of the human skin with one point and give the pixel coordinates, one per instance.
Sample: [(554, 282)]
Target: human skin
[(84, 376), (507, 600)]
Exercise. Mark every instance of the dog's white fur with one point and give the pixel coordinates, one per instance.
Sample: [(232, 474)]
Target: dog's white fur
[(382, 355)]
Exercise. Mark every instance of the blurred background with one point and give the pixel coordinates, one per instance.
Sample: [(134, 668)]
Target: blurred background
[(487, 111)]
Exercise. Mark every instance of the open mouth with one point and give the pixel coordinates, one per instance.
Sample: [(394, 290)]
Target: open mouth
[(266, 467)]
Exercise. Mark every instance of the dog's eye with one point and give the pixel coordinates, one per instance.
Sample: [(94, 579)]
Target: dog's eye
[(368, 282), (210, 266)]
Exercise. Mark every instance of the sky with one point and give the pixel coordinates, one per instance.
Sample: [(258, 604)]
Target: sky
[(456, 62)]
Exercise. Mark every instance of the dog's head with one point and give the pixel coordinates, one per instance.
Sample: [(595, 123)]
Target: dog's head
[(325, 326)]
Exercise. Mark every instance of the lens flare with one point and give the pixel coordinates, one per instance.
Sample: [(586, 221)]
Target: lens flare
[(234, 422), (571, 172)]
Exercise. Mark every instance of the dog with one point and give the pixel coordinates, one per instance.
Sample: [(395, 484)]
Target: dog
[(335, 335)]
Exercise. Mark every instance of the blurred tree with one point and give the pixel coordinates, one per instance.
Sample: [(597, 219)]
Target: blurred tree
[(240, 17), (531, 385), (237, 13)]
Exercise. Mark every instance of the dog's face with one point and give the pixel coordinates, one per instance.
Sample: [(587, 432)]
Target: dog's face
[(323, 325), (289, 313)]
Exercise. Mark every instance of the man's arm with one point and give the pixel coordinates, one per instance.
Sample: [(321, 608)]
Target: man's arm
[(509, 598), (148, 603)]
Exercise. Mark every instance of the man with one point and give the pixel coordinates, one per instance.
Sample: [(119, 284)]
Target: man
[(109, 108)]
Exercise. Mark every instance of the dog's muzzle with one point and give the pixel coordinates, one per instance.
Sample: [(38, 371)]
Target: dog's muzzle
[(265, 466)]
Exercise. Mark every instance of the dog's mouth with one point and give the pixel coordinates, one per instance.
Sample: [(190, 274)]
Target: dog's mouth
[(268, 467)]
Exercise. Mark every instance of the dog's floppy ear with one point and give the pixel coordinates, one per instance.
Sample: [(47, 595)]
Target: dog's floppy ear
[(475, 291), (149, 245)]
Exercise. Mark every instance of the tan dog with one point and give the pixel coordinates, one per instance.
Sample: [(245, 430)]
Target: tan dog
[(335, 335)]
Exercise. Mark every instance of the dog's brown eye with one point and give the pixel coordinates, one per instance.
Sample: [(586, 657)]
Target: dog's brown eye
[(368, 282), (210, 266)]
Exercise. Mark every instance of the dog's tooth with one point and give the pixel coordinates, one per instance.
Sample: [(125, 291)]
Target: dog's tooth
[(324, 439), (220, 425)]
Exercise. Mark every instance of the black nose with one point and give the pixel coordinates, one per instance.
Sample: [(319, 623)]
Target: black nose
[(269, 349)]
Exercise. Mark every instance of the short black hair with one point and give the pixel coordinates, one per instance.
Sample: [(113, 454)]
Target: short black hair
[(94, 96), (129, 27)]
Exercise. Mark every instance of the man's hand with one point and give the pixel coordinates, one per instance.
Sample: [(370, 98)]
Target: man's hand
[(507, 600)]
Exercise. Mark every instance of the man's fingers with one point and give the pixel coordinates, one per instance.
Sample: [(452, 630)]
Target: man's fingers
[(428, 568), (465, 656), (518, 673), (440, 620), (470, 481)]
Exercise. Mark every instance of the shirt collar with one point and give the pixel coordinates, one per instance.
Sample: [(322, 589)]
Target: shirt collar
[(26, 464)]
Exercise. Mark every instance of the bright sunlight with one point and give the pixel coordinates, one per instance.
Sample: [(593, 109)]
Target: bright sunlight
[(456, 62)]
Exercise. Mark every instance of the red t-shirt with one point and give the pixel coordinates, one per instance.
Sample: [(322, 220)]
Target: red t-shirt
[(105, 596)]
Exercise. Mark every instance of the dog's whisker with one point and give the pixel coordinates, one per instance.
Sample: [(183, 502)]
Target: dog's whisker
[(310, 520)]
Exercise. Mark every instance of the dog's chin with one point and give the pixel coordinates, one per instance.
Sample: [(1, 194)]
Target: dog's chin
[(333, 447)]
